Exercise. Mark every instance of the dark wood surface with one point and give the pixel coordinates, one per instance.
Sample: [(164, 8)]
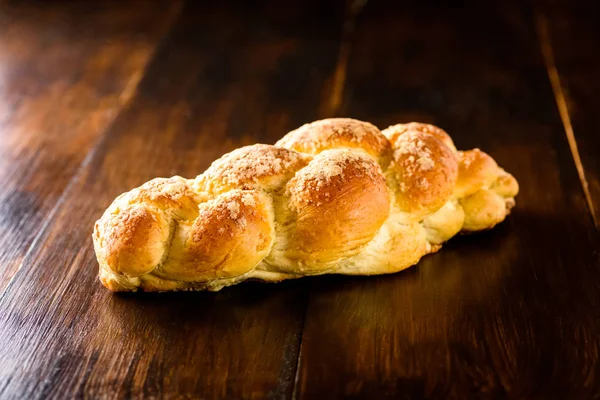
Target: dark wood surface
[(98, 97), (67, 71), (571, 34)]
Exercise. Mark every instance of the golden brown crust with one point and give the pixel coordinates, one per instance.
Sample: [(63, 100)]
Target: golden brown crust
[(259, 166), (340, 200), (483, 210), (476, 170), (505, 185), (231, 235), (395, 131), (334, 196), (131, 241), (117, 283), (338, 133), (423, 174), (173, 194)]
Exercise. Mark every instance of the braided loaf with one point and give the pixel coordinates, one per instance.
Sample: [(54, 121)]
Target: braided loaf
[(333, 196)]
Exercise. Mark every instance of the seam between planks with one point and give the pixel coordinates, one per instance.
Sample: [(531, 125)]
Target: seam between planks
[(544, 39), (125, 97), (332, 101), (331, 106), (299, 352)]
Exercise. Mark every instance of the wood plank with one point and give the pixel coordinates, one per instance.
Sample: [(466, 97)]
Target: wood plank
[(511, 313), (66, 70), (227, 75), (570, 35)]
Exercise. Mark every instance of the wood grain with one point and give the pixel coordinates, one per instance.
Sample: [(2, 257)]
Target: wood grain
[(511, 313), (66, 70), (226, 75), (570, 31)]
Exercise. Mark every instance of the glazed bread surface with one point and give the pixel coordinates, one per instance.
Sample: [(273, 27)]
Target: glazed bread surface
[(336, 196)]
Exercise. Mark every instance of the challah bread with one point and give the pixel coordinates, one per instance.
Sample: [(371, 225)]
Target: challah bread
[(333, 196)]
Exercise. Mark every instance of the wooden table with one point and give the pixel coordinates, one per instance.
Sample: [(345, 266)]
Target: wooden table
[(97, 98)]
